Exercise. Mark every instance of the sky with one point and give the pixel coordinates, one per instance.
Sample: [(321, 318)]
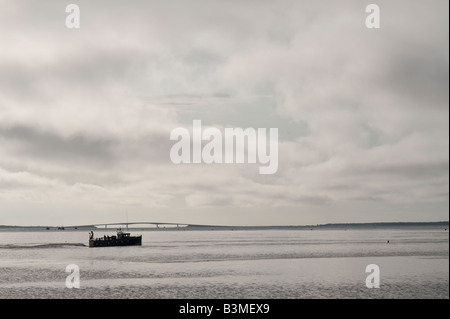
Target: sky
[(86, 114)]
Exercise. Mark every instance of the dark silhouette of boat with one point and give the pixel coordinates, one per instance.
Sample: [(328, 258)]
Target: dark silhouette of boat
[(122, 239)]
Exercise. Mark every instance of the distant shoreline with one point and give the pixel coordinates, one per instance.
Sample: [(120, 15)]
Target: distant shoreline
[(171, 227)]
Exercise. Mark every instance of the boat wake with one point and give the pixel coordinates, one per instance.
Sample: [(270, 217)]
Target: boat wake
[(42, 246)]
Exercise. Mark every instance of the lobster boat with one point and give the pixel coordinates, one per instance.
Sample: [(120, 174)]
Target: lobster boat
[(121, 239)]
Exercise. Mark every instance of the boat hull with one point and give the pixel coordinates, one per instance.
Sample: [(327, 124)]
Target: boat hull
[(128, 241)]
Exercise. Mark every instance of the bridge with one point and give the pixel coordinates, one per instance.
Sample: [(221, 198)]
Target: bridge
[(125, 224)]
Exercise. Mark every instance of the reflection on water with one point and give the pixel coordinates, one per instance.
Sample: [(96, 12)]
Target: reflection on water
[(228, 264)]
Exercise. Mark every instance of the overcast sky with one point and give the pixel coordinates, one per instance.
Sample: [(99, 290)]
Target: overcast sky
[(86, 114)]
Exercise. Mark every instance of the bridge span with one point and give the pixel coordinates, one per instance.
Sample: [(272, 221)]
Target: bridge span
[(126, 224)]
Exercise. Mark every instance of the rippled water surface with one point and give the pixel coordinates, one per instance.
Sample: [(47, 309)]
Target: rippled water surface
[(228, 264)]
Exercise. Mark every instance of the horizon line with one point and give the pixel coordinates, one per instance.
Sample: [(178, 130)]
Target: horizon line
[(157, 224)]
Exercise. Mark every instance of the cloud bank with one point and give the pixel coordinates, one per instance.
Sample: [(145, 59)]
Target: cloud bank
[(86, 115)]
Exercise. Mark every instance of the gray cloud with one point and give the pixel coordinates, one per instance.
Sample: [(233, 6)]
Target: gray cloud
[(421, 74), (52, 147)]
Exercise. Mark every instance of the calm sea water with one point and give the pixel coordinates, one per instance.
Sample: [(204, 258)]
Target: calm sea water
[(228, 264)]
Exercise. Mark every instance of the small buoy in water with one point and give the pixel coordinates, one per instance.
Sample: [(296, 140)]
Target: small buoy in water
[(388, 241)]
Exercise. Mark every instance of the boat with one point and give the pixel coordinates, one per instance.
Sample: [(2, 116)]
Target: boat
[(121, 239)]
